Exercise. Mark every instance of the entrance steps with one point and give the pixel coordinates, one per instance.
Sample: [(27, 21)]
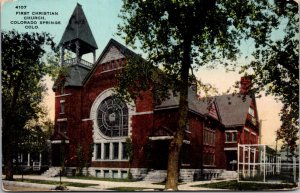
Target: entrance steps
[(226, 174), (156, 176), (52, 172)]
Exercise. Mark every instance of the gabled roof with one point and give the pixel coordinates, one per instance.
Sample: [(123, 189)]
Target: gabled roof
[(231, 108), (78, 28), (200, 107), (123, 50)]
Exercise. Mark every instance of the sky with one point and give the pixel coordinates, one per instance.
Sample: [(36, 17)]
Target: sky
[(102, 16)]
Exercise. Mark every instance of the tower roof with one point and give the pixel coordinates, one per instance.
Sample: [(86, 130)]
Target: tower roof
[(78, 29)]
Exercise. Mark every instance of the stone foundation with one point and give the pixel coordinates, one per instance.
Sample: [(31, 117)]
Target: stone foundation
[(186, 175)]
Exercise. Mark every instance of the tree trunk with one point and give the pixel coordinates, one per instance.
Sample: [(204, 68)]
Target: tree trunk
[(176, 143), (9, 164), (11, 133)]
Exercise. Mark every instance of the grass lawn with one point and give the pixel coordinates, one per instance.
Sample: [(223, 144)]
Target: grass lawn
[(100, 179), (129, 189), (75, 184), (234, 185)]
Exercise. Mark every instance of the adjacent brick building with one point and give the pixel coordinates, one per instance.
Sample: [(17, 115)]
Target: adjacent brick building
[(92, 123)]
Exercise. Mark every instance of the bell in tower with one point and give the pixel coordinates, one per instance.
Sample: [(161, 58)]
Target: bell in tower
[(78, 38)]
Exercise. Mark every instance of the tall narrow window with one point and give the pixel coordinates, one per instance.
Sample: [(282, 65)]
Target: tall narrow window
[(228, 138), (106, 150), (115, 150), (124, 152), (62, 107), (234, 136), (98, 151), (209, 137), (62, 126)]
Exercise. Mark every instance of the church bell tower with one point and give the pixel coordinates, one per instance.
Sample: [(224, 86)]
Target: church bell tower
[(78, 38)]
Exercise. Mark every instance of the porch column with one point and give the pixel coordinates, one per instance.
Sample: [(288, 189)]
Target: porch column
[(28, 159), (254, 157), (21, 157), (249, 160)]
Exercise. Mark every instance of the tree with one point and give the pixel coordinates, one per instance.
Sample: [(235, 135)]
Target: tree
[(181, 35), (23, 69), (276, 68), (288, 132)]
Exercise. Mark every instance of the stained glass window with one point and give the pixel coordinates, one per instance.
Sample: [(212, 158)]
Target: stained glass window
[(112, 117)]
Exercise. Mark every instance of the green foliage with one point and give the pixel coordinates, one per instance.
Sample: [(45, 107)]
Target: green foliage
[(276, 68), (234, 185), (129, 149), (213, 27), (23, 69), (181, 35), (80, 160), (289, 130)]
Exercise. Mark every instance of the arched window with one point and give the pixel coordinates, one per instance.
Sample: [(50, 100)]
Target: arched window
[(112, 117)]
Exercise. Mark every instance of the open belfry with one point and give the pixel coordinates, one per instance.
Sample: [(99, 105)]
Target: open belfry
[(93, 128)]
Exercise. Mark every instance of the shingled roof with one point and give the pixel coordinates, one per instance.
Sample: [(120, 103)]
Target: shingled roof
[(200, 107), (76, 75), (232, 108), (79, 29)]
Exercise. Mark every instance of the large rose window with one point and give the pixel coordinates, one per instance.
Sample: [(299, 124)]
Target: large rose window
[(112, 117)]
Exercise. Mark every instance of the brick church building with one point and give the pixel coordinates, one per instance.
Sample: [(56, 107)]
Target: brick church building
[(91, 123)]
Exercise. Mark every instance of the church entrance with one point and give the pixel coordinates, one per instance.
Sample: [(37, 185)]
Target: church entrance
[(59, 154), (159, 154), (231, 160)]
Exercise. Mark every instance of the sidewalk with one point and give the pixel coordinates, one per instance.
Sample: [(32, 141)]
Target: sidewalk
[(104, 185)]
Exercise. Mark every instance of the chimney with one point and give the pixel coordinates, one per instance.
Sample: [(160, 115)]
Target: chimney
[(246, 84)]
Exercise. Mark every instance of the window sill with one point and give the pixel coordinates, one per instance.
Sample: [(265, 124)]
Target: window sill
[(230, 141)]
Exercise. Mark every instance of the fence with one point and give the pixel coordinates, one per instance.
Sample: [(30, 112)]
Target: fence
[(261, 163)]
